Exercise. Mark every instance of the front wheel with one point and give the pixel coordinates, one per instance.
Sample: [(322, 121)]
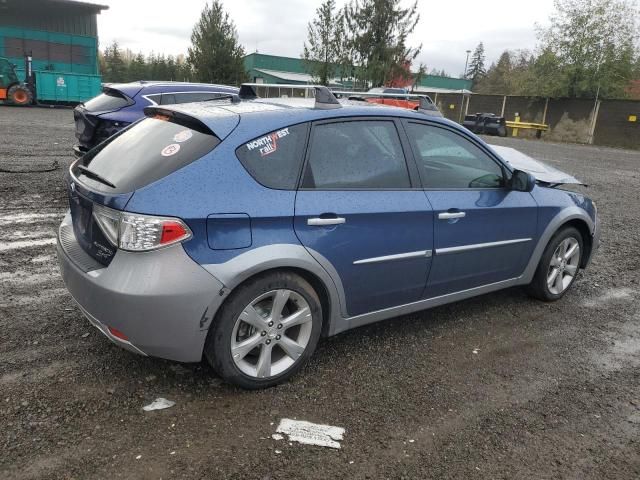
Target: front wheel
[(558, 266), (266, 331), (20, 95)]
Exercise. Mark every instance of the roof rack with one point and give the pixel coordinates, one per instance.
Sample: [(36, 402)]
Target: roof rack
[(424, 101), (324, 98)]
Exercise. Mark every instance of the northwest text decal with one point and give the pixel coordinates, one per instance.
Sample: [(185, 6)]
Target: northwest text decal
[(269, 143)]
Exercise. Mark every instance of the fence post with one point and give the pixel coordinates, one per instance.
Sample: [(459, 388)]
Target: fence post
[(504, 103), (594, 121), (544, 114), (466, 108)]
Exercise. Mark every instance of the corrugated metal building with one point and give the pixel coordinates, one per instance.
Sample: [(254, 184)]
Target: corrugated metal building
[(264, 68), (62, 36)]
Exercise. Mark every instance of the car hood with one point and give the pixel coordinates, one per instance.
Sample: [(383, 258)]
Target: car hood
[(543, 172)]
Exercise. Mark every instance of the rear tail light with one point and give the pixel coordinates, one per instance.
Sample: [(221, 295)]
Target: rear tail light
[(139, 233)]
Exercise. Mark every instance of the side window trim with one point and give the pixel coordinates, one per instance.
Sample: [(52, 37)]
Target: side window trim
[(506, 171), (404, 144)]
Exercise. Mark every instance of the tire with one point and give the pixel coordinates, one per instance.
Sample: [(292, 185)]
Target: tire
[(20, 95), (254, 338), (502, 131), (548, 286)]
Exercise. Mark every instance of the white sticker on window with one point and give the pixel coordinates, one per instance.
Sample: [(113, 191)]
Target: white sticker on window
[(269, 143), (182, 136), (170, 150)]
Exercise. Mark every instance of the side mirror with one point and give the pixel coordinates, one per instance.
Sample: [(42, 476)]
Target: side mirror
[(522, 181)]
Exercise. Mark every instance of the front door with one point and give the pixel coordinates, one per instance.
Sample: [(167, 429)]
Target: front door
[(358, 210), (483, 232)]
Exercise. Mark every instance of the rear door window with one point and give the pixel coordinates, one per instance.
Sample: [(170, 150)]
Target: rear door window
[(357, 154), (275, 159), (144, 153), (109, 100)]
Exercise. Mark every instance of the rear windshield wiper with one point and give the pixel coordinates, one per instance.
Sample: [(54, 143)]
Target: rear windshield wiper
[(95, 176)]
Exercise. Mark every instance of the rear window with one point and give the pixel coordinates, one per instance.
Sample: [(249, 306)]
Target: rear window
[(275, 159), (144, 153), (107, 101)]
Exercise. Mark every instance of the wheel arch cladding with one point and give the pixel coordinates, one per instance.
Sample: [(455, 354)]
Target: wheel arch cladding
[(316, 283), (565, 217), (587, 239), (295, 258)]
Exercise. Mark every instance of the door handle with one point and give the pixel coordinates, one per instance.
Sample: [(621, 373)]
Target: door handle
[(450, 215), (320, 222)]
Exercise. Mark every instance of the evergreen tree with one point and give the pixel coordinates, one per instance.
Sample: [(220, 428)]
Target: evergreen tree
[(115, 67), (378, 32), (498, 78), (476, 70), (137, 68), (215, 55), (321, 54)]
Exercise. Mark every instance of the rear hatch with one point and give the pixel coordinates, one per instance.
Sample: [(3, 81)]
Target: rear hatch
[(137, 156), (90, 128)]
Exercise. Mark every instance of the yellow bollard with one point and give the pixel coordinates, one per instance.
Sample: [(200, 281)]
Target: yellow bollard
[(514, 131)]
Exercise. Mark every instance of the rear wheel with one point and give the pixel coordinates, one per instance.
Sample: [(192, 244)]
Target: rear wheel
[(266, 331), (558, 266), (20, 95)]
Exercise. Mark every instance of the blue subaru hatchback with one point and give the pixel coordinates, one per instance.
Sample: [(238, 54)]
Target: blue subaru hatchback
[(243, 230)]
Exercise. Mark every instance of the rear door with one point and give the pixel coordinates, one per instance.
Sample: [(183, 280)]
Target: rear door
[(483, 231), (358, 209)]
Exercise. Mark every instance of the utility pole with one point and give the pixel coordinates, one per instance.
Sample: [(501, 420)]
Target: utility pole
[(466, 62)]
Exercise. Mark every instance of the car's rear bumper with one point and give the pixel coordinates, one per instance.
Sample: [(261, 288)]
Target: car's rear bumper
[(162, 301)]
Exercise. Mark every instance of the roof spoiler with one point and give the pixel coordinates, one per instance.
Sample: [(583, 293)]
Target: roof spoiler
[(324, 98)]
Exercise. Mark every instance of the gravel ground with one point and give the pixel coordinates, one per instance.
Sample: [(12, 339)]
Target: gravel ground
[(499, 386)]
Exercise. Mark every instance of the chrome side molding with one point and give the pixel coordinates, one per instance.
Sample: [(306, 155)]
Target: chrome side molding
[(397, 256), (478, 246)]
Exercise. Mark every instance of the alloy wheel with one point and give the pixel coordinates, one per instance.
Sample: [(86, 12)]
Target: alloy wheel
[(563, 266), (271, 333)]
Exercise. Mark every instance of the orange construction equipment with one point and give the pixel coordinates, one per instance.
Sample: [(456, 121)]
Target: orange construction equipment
[(13, 90)]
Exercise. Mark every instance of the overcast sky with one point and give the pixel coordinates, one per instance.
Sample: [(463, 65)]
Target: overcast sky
[(446, 28)]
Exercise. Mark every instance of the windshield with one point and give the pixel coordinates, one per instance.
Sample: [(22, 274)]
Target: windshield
[(148, 151)]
